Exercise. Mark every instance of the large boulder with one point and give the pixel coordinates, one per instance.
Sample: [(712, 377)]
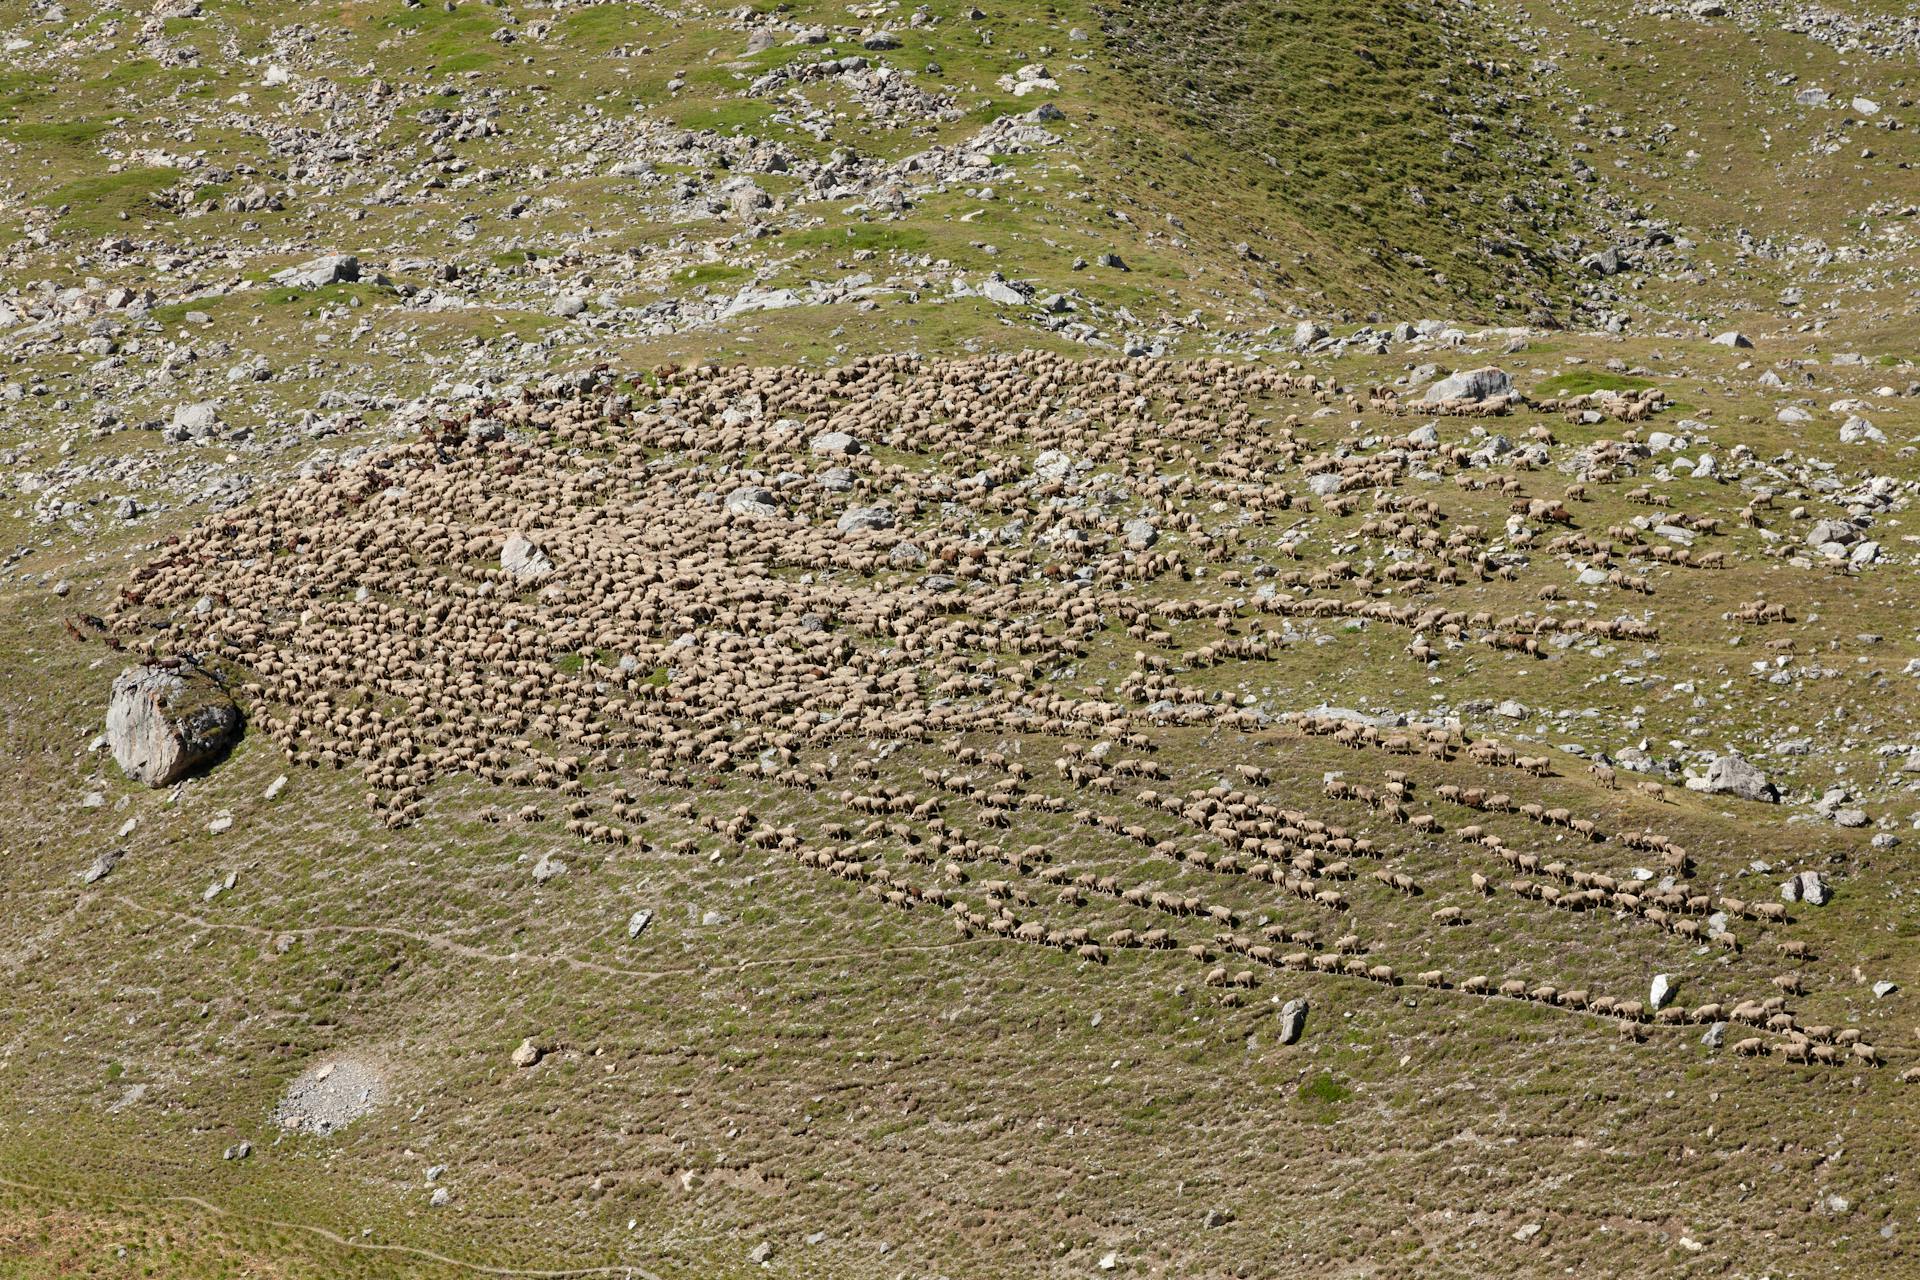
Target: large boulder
[(164, 722), (1470, 384), (524, 559), (1293, 1020), (1734, 775)]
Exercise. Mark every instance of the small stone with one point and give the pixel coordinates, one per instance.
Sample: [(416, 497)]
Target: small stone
[(1715, 1035), (440, 1197), (638, 922), (1218, 1217), (1661, 991), (1884, 989), (527, 1054), (1732, 338), (760, 1253), (238, 1151)]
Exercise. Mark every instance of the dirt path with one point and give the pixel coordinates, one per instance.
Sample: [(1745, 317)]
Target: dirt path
[(465, 951), (345, 1242)]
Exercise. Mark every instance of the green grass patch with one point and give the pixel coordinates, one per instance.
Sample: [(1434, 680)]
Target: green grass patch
[(1579, 382)]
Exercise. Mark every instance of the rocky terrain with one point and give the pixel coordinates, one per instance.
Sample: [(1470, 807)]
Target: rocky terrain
[(1113, 638)]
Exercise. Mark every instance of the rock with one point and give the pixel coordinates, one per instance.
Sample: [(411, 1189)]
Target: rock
[(1470, 384), (524, 559), (1707, 9), (440, 1197), (1306, 333), (1834, 531), (1807, 887), (1003, 293), (568, 305), (1140, 534), (102, 866), (1812, 97), (637, 922), (274, 788), (1293, 1020), (1883, 989), (750, 299), (238, 1151), (1732, 338), (834, 444), (1661, 991), (1217, 1218), (746, 198), (317, 273), (1109, 1260), (880, 40), (760, 1253), (1511, 710), (1607, 262), (1857, 430), (1853, 818), (1715, 1035), (1733, 775), (193, 422), (856, 519), (752, 500), (548, 868), (163, 722), (527, 1054), (1866, 106), (1325, 484), (1864, 553)]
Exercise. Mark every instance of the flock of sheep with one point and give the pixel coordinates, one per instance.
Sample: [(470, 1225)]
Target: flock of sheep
[(874, 599)]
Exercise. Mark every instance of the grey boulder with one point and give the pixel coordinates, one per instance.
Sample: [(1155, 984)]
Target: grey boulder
[(163, 722), (1293, 1019), (1733, 775), (1470, 384)]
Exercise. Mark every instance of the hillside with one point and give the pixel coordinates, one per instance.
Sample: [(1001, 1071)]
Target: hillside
[(1252, 640)]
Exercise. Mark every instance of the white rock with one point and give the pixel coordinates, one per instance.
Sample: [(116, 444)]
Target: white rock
[(524, 559)]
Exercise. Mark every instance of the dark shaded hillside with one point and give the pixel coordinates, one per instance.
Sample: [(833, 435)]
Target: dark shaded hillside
[(1391, 131)]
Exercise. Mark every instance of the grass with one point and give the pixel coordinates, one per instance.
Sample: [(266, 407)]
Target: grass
[(1579, 382), (822, 1064)]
